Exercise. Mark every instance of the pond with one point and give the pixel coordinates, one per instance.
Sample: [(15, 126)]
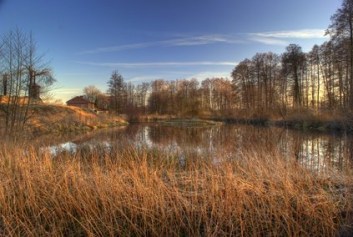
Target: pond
[(316, 151)]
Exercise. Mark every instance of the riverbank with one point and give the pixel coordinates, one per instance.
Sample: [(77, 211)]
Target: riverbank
[(302, 122), (298, 120), (142, 192), (49, 119), (172, 120)]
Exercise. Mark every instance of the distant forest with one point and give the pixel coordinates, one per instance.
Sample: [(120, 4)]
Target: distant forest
[(268, 83)]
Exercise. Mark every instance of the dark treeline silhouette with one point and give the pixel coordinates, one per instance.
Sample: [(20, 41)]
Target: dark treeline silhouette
[(266, 84)]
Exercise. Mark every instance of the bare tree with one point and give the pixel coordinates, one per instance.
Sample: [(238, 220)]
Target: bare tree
[(14, 81), (92, 93), (342, 27), (117, 92), (20, 68), (314, 61), (40, 75), (243, 82), (142, 96), (157, 101), (292, 64)]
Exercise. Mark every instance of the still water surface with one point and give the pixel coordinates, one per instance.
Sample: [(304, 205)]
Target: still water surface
[(316, 151)]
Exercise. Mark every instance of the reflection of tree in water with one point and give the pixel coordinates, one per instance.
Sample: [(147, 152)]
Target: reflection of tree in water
[(349, 152), (312, 150), (131, 131), (228, 138), (183, 136), (321, 152)]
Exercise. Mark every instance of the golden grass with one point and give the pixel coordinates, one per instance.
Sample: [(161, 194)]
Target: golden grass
[(145, 192), (56, 118), (20, 100)]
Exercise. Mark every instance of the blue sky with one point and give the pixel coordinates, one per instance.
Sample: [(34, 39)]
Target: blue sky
[(85, 40)]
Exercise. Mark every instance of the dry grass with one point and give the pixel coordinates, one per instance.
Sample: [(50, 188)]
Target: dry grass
[(144, 192), (45, 119), (56, 118), (322, 121)]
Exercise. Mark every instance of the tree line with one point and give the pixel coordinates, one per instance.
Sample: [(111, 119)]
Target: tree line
[(182, 97)]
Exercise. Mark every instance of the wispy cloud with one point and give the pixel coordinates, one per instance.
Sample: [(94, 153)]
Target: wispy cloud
[(204, 75), (67, 91), (270, 38), (175, 42), (139, 79), (158, 64), (294, 34), (79, 74), (203, 39), (119, 48), (283, 37), (200, 76)]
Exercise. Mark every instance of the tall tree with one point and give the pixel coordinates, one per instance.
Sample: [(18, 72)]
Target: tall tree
[(158, 102), (314, 60), (116, 90), (342, 27), (292, 64), (40, 75), (243, 83), (142, 93)]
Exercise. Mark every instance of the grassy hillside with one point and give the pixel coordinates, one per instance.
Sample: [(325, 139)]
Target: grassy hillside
[(56, 118)]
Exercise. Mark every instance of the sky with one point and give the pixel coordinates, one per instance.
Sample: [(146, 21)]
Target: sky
[(84, 41)]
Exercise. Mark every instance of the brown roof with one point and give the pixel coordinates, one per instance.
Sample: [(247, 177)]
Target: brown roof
[(78, 100)]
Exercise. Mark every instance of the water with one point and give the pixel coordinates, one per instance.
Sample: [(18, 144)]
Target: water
[(316, 151)]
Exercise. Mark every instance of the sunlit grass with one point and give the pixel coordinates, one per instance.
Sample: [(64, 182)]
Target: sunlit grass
[(145, 192), (56, 118)]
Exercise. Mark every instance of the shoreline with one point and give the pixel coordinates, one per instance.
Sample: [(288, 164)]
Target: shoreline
[(315, 124), (65, 119)]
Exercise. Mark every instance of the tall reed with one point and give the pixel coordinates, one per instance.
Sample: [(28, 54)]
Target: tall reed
[(147, 192)]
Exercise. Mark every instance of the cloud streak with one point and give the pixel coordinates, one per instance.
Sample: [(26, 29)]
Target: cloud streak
[(177, 42), (295, 34), (158, 64), (283, 37), (204, 75), (269, 38), (67, 91)]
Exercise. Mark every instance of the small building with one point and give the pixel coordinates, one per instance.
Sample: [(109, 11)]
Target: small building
[(80, 101)]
